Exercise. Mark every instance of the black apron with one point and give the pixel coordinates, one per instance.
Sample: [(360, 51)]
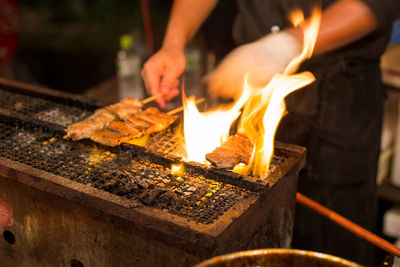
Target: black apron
[(338, 119)]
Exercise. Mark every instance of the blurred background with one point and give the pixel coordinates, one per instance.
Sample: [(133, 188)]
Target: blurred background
[(72, 45)]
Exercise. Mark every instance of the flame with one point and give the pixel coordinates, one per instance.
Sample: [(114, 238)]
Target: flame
[(310, 28), (262, 108), (204, 131), (177, 169), (261, 132), (268, 103)]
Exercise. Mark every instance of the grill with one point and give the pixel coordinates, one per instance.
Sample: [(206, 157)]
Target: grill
[(201, 213)]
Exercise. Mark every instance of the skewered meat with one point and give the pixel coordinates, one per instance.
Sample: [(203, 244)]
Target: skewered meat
[(125, 107), (102, 117), (137, 123), (134, 126), (237, 149), (157, 119), (115, 133), (85, 128)]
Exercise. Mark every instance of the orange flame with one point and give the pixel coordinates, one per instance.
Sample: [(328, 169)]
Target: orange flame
[(204, 131), (262, 109), (310, 29), (262, 114), (177, 169)]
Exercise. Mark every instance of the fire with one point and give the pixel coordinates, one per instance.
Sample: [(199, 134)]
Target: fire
[(262, 109), (260, 121), (204, 131), (177, 169)]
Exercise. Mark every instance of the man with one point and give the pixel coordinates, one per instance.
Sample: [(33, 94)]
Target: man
[(338, 118)]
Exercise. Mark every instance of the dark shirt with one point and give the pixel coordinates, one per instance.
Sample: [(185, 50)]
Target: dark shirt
[(338, 118), (256, 18)]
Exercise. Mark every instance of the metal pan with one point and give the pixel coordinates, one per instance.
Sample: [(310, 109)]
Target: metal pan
[(277, 258)]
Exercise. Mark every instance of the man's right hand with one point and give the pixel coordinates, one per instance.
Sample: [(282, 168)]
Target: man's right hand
[(161, 71)]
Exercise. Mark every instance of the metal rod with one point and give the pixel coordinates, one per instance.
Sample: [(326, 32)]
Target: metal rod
[(179, 109), (151, 98), (347, 224), (147, 26)]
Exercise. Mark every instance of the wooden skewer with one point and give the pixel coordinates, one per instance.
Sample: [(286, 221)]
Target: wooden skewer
[(179, 109), (151, 98), (347, 224)]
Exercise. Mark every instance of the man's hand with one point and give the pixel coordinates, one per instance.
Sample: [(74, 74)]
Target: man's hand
[(160, 73), (6, 215), (260, 60)]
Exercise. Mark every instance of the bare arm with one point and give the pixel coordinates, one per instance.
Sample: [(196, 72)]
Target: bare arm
[(160, 73), (186, 18), (342, 23)]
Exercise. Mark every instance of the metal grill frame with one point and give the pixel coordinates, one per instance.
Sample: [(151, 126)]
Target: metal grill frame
[(244, 219)]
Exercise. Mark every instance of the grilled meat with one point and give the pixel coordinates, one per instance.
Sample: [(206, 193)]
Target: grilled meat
[(102, 117), (157, 119), (139, 124), (115, 133), (85, 128), (125, 107), (237, 149), (134, 126)]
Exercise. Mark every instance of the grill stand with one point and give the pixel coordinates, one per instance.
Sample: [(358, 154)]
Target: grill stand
[(57, 221)]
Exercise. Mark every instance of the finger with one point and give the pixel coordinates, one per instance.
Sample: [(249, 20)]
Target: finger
[(176, 83), (146, 84), (173, 91), (168, 80), (206, 78), (151, 76), (161, 103)]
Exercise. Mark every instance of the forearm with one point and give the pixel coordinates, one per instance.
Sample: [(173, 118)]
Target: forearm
[(185, 19), (342, 23)]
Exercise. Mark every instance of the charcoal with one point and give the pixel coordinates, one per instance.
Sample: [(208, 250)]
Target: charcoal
[(32, 134), (148, 196)]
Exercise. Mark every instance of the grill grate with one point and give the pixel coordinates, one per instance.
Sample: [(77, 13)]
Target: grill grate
[(31, 133), (189, 196), (168, 143), (42, 109)]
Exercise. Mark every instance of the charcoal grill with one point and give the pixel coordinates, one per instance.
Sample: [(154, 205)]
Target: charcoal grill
[(87, 204)]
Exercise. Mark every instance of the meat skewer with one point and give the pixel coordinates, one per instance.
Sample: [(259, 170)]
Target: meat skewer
[(125, 106), (85, 128), (179, 109), (115, 133), (237, 149), (134, 126), (151, 98), (156, 119), (102, 117)]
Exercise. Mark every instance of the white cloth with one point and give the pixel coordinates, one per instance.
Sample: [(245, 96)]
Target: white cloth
[(260, 60)]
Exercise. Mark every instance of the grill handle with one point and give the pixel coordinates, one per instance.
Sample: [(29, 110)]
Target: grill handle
[(348, 225)]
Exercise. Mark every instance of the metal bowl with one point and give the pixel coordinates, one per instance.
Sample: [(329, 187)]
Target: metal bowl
[(277, 258)]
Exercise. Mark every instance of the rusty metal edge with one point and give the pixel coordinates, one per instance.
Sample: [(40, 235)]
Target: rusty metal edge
[(293, 152), (186, 234)]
